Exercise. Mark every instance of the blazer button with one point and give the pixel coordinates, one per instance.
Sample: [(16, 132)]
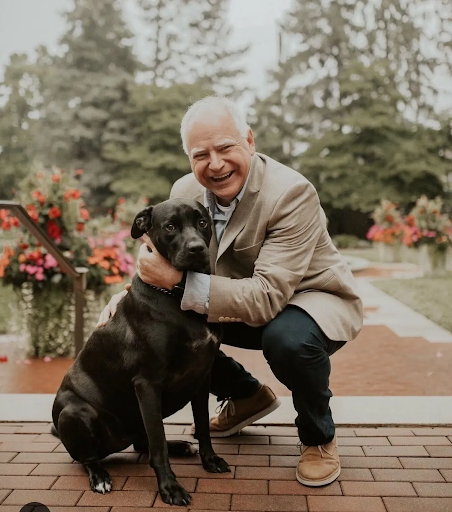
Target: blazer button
[(238, 319), (233, 319), (227, 319), (221, 319)]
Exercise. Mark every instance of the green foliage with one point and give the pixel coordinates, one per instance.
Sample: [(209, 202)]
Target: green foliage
[(16, 126), (371, 150), (152, 159), (188, 42), (7, 302), (348, 242), (86, 91), (351, 105)]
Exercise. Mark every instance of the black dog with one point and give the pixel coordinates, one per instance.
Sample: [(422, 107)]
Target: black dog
[(145, 364)]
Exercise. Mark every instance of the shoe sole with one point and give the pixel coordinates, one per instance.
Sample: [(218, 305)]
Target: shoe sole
[(237, 428), (318, 483)]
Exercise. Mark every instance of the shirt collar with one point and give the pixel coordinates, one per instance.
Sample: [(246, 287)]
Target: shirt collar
[(210, 201)]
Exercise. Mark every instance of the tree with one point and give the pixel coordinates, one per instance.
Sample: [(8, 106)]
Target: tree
[(188, 41), (16, 125), (86, 91), (152, 159), (372, 151), (336, 55)]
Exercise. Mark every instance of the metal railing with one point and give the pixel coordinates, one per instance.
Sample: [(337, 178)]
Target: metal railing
[(77, 273)]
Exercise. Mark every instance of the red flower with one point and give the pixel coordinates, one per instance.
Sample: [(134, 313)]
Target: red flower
[(80, 227), (6, 225), (121, 200), (53, 230), (84, 213), (78, 172), (35, 255), (54, 212), (72, 193), (40, 175), (32, 211), (37, 194), (56, 178)]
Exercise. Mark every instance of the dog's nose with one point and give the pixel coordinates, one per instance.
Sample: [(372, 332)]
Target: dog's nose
[(195, 247)]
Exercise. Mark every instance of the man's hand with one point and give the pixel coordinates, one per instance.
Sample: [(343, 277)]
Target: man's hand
[(110, 309), (154, 269)]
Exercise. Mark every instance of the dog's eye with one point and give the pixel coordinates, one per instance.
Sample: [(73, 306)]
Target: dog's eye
[(170, 227), (203, 223)]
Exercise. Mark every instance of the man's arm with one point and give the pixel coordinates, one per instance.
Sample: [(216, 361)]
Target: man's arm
[(292, 234)]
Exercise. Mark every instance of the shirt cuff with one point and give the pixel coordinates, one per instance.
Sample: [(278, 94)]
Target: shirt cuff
[(196, 294)]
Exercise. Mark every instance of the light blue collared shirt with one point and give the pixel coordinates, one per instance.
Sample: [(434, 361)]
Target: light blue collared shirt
[(197, 287)]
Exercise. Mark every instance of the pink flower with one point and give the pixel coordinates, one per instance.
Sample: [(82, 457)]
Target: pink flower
[(50, 261), (22, 267), (31, 269), (39, 276)]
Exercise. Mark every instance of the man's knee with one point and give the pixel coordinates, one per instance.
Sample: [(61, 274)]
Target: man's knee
[(292, 340)]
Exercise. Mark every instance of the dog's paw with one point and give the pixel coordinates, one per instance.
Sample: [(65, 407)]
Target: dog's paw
[(101, 483), (216, 464), (174, 494)]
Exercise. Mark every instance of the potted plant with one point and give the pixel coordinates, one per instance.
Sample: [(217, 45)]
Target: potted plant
[(45, 309), (387, 231), (430, 230)]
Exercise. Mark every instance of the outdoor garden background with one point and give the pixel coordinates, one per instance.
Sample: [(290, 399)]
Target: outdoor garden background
[(359, 100)]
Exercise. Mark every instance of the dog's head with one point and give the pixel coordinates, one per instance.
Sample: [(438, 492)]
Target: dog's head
[(180, 230)]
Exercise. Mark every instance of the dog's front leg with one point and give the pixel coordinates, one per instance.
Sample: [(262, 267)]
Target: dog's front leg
[(200, 406), (150, 401)]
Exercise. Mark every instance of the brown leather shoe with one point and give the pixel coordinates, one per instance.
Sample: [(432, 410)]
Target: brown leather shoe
[(319, 465), (238, 414)]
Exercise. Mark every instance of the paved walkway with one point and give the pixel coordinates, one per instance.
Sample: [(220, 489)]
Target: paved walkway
[(398, 353), (384, 469)]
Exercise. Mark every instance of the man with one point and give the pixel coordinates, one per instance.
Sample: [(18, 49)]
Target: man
[(278, 284)]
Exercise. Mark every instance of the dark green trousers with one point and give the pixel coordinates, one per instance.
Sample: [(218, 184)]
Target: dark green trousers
[(298, 353)]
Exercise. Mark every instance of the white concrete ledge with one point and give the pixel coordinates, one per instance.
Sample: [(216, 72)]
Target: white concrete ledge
[(347, 410)]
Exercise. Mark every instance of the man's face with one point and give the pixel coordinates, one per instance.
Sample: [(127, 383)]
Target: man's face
[(220, 157)]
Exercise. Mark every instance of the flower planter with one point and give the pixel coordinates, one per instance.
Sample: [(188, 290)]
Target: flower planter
[(45, 319), (432, 259), (388, 253)]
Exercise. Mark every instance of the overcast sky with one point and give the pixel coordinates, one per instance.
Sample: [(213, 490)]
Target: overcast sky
[(24, 24)]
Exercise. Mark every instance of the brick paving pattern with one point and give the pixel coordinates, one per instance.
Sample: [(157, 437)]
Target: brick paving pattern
[(397, 469), (377, 363)]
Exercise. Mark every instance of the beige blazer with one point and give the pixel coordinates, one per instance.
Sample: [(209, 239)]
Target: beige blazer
[(275, 251)]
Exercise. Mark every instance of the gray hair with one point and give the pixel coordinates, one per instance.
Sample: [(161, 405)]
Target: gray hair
[(214, 104)]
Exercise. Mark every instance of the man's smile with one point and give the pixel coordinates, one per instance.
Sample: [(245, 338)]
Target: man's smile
[(223, 177)]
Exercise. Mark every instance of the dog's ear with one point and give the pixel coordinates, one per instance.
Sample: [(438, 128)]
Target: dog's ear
[(142, 222)]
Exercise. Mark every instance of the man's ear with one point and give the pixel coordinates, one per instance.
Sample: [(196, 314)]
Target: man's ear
[(142, 222)]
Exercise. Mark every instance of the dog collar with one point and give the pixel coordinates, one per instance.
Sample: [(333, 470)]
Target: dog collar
[(163, 290)]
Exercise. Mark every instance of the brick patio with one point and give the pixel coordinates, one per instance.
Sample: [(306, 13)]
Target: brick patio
[(393, 469), (384, 469)]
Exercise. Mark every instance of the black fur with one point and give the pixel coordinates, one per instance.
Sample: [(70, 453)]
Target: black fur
[(148, 362)]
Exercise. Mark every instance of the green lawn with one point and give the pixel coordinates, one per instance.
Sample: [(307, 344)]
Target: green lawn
[(430, 296)]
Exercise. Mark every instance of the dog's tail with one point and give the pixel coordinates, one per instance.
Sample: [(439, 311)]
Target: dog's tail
[(54, 431)]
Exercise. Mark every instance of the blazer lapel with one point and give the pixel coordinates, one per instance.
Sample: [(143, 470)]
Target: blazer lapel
[(243, 211)]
